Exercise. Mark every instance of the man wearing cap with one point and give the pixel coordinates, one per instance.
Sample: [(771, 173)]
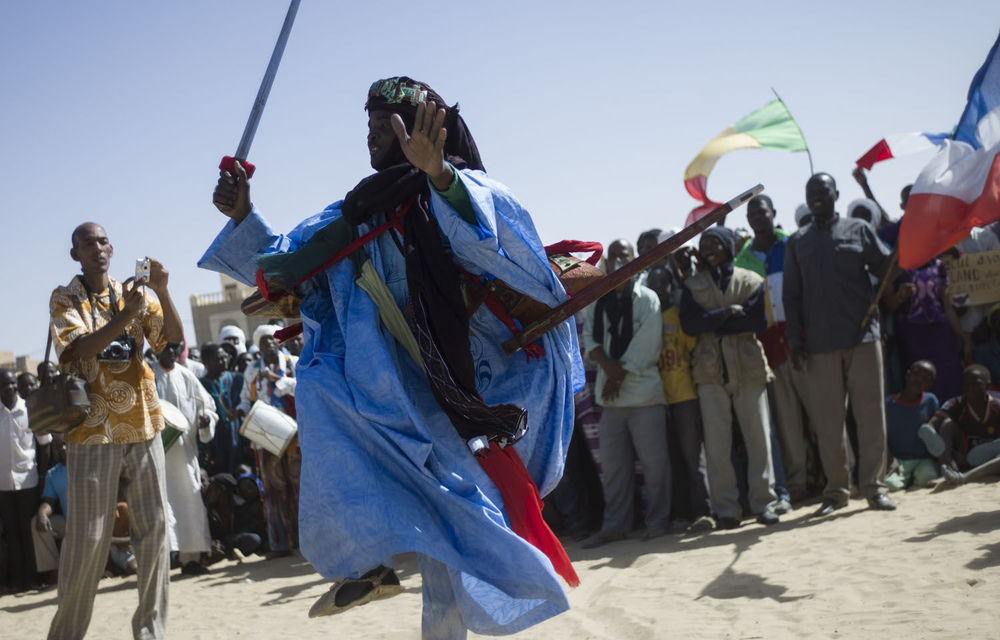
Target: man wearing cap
[(401, 373), (828, 290), (271, 379), (725, 307)]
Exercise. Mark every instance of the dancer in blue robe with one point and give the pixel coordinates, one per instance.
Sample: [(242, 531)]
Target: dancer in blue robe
[(384, 467)]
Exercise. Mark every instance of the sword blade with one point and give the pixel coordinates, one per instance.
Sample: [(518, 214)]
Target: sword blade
[(265, 84)]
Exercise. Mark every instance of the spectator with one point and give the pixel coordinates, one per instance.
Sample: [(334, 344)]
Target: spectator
[(926, 325), (765, 256), (725, 306), (802, 215), (233, 335), (18, 483), (49, 523), (188, 522), (271, 379), (26, 384), (965, 432), (905, 413), (225, 387), (827, 294), (236, 522), (622, 335), (684, 430), (99, 329), (988, 353), (47, 368)]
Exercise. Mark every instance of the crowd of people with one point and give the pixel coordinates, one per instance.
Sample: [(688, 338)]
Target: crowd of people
[(740, 378), (754, 372)]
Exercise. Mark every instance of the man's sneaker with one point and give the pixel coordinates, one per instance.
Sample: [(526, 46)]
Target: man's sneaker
[(781, 507)]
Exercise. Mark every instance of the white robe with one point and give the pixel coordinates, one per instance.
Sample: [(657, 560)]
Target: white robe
[(187, 519)]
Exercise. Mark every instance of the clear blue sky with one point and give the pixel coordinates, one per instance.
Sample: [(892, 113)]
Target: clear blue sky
[(118, 111)]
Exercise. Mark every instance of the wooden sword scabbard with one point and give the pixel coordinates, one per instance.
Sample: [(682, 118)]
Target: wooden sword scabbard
[(598, 289)]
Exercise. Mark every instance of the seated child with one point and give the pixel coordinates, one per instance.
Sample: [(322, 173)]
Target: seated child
[(964, 432), (905, 413)]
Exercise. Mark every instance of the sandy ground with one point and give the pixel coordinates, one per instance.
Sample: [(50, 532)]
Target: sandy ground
[(929, 570)]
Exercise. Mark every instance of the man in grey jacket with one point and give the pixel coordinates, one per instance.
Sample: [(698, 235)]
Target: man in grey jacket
[(827, 293)]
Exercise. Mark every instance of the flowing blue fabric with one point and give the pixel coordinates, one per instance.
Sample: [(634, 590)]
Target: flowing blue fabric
[(383, 469)]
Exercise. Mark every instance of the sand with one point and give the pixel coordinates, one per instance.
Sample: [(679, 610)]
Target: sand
[(928, 570)]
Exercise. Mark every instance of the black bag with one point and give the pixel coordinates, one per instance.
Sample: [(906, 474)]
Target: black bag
[(59, 404)]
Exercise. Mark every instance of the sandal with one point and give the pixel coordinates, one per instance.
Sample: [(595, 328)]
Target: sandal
[(378, 584)]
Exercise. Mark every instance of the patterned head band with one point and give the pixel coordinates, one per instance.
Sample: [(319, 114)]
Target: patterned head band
[(396, 91)]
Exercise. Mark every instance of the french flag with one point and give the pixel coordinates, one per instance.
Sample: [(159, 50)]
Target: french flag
[(960, 187), (899, 145)]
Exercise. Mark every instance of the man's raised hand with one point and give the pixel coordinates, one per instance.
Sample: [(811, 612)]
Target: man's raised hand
[(424, 146), (232, 193)]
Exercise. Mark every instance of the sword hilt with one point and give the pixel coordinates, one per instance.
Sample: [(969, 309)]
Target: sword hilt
[(227, 165)]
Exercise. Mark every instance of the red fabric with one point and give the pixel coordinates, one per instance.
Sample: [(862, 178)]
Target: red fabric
[(878, 153), (570, 246), (524, 507), (227, 165), (934, 222), (698, 188), (282, 335)]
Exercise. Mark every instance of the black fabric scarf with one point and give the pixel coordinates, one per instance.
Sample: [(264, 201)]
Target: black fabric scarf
[(441, 324), (617, 306)]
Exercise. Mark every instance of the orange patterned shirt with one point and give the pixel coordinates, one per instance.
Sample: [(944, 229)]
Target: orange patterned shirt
[(124, 407)]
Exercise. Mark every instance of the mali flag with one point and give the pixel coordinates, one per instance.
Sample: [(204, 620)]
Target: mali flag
[(770, 127)]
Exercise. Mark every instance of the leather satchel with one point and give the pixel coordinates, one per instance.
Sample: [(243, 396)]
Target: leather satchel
[(60, 403)]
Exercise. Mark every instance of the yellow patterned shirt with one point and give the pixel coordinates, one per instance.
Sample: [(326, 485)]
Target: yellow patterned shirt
[(124, 407)]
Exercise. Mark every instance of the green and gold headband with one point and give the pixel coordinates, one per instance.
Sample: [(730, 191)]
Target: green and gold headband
[(396, 91)]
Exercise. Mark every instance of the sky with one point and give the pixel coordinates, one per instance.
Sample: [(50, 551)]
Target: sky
[(119, 111)]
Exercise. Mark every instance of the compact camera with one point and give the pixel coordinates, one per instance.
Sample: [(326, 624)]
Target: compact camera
[(120, 349), (142, 269)]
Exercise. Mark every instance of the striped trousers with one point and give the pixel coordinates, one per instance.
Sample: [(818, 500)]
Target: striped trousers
[(94, 472)]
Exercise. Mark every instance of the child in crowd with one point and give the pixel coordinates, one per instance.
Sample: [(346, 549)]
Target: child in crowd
[(964, 432), (691, 506), (905, 413)]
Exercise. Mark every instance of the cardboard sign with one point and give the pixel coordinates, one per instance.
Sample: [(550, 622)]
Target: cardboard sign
[(977, 275)]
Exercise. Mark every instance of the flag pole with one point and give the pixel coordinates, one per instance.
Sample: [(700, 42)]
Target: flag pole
[(808, 152)]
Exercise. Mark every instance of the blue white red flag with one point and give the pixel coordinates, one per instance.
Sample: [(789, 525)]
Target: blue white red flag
[(960, 187), (899, 145)]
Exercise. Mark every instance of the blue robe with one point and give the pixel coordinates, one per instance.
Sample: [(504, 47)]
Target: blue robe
[(383, 469)]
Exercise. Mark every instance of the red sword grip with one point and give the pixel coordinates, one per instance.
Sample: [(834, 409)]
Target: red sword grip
[(227, 165)]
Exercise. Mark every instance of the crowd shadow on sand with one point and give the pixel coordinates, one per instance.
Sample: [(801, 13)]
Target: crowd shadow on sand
[(743, 538), (732, 584), (975, 523), (106, 585), (989, 560)]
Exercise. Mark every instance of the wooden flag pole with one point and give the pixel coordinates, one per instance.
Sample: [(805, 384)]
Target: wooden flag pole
[(598, 289)]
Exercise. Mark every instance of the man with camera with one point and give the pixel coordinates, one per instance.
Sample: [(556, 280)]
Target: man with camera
[(99, 328)]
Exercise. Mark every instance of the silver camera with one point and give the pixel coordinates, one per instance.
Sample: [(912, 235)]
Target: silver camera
[(142, 269)]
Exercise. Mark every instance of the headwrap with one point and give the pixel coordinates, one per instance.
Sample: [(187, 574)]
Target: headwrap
[(232, 331), (441, 324), (874, 213), (724, 235), (264, 330), (801, 211)]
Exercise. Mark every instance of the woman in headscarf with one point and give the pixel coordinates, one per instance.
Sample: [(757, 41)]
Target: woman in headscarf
[(396, 374)]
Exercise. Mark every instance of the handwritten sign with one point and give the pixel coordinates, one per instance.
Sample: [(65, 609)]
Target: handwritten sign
[(975, 274)]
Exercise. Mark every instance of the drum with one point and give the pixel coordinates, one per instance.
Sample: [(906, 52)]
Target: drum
[(174, 424), (269, 427)]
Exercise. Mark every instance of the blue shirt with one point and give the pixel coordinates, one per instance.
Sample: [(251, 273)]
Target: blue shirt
[(902, 422), (56, 481)]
